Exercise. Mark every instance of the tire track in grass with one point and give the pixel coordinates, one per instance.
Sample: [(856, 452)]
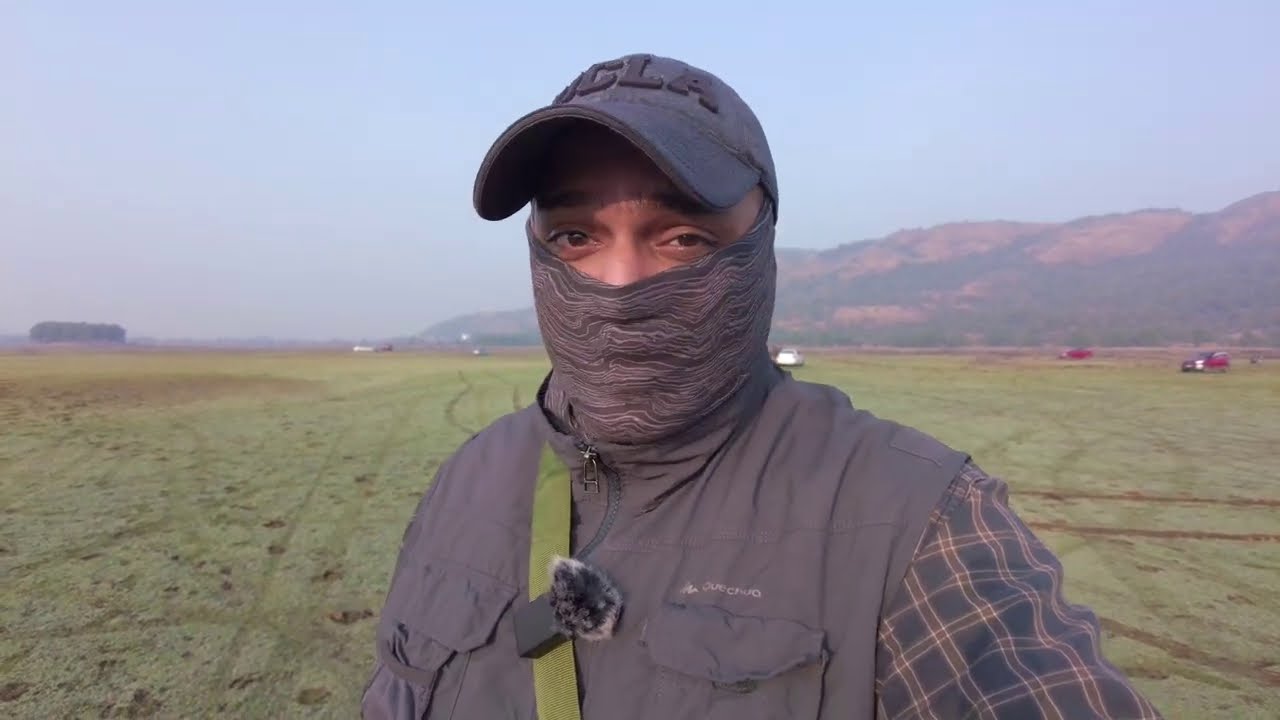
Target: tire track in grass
[(1140, 572), (184, 517), (222, 672), (517, 404), (451, 407), (1163, 534), (10, 663), (1141, 592), (1143, 498), (92, 548), (177, 617), (95, 544), (201, 615), (1138, 568), (298, 639), (1001, 444), (337, 544), (1260, 674), (1137, 573), (1076, 448), (188, 512)]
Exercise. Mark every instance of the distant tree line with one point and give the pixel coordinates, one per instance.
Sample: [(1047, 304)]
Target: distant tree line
[(84, 332)]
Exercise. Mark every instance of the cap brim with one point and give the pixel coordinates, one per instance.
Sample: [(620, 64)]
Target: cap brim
[(696, 163)]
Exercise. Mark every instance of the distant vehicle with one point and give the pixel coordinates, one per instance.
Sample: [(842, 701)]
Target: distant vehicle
[(384, 348), (479, 352), (789, 357), (1076, 354), (362, 348), (1213, 360), (1255, 359)]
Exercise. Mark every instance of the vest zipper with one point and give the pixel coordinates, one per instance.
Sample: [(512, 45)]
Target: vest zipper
[(592, 466)]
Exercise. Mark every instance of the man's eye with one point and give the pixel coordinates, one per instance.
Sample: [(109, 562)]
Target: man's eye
[(569, 239), (689, 240)]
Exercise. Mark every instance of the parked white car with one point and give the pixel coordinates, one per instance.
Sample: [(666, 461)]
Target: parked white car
[(789, 357)]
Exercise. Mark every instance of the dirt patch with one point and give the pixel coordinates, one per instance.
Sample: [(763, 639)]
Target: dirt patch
[(312, 696), (1182, 651), (275, 549), (107, 667), (276, 523), (1148, 673), (1240, 600), (14, 690), (364, 478), (244, 681), (140, 705), (329, 575), (347, 617), (1136, 496), (1153, 533)]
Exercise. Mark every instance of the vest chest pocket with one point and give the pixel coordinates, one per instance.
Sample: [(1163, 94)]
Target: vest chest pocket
[(715, 664), (428, 629)]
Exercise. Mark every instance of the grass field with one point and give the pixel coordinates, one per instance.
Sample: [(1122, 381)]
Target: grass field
[(209, 535)]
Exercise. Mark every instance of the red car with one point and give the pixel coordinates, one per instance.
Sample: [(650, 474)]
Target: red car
[(1214, 360), (1076, 354)]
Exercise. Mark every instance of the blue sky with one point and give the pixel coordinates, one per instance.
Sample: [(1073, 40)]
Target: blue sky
[(304, 169)]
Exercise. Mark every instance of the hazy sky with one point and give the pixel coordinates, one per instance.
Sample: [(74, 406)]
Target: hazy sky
[(304, 169)]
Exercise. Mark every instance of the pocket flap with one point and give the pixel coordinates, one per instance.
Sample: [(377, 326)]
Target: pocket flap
[(707, 642), (444, 610)]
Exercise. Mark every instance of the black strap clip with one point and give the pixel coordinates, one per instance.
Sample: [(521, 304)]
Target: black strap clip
[(536, 633)]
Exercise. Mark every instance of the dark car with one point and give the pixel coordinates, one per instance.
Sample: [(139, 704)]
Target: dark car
[(1212, 361)]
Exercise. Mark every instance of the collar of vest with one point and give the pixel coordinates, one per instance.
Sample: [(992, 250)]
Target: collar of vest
[(674, 458)]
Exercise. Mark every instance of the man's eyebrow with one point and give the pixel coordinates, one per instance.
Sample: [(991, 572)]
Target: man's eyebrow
[(673, 201)]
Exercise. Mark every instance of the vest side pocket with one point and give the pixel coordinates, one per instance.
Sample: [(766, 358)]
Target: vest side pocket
[(431, 624), (715, 664)]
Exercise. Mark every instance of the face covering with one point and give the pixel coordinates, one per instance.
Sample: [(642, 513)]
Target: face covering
[(641, 362)]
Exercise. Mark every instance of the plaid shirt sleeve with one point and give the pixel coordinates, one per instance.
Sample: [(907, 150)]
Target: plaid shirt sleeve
[(980, 627)]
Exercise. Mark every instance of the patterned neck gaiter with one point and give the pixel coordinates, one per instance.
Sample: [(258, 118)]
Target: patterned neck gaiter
[(638, 363)]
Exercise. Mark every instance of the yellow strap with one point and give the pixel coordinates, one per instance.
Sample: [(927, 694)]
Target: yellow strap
[(555, 677)]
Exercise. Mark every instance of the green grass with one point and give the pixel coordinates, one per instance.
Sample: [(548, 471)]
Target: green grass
[(207, 535)]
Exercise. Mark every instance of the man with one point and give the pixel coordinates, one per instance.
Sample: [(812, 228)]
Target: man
[(744, 545)]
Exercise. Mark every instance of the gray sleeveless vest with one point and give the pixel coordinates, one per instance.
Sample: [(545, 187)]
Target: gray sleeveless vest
[(754, 570)]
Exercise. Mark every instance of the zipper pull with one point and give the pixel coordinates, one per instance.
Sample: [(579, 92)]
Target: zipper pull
[(590, 471)]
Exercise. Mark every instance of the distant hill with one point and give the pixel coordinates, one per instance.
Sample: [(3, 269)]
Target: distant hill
[(1148, 277)]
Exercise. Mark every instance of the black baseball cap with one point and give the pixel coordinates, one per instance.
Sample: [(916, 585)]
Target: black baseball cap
[(691, 124)]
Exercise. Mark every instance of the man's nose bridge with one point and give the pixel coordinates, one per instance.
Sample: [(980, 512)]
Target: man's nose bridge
[(628, 261)]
